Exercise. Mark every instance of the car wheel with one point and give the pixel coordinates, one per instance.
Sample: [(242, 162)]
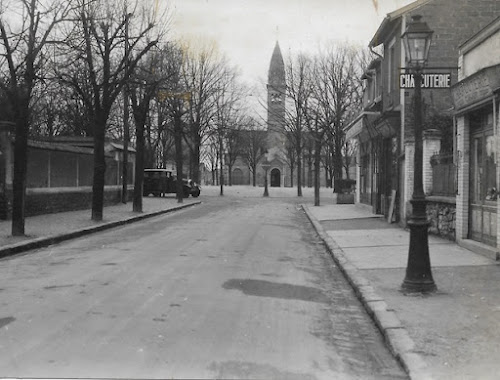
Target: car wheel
[(196, 195)]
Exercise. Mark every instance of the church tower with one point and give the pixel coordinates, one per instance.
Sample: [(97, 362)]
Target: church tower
[(276, 87)]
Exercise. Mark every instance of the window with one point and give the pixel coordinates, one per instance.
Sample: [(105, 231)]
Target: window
[(389, 66), (392, 69)]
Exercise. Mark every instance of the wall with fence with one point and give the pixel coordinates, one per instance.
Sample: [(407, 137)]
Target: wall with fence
[(59, 178), (441, 195), (443, 175), (55, 168)]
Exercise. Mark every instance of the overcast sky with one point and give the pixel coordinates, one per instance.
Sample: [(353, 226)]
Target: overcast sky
[(246, 30)]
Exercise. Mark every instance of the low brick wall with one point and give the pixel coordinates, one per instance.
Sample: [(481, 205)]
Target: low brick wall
[(441, 213), (51, 200)]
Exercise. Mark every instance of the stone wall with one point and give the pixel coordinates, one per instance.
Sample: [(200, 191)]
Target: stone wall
[(441, 215), (47, 201)]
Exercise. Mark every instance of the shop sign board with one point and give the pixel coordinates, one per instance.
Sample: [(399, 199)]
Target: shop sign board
[(477, 87), (429, 80)]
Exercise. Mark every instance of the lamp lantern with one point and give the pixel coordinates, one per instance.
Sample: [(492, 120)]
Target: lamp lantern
[(417, 41)]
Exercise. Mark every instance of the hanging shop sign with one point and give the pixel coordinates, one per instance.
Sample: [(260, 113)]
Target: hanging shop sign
[(476, 88), (442, 80)]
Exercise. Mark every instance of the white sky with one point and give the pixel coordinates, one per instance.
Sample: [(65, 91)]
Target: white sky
[(246, 30)]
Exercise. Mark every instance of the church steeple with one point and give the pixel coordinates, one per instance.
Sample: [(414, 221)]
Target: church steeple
[(276, 89), (276, 75)]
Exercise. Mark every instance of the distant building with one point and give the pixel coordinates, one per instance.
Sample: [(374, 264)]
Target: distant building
[(279, 173)]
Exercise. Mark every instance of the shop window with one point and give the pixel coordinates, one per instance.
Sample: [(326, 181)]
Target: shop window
[(484, 185)]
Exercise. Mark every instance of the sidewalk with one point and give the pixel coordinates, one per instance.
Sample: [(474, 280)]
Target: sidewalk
[(48, 229), (453, 333)]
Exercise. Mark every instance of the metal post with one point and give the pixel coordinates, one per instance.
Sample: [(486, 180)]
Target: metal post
[(266, 191), (418, 271)]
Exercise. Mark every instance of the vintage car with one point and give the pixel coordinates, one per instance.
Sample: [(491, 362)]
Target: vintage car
[(159, 182)]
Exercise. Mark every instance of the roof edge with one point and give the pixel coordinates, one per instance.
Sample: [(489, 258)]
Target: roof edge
[(392, 16), (481, 35)]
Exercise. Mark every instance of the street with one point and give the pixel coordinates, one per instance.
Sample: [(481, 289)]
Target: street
[(237, 287)]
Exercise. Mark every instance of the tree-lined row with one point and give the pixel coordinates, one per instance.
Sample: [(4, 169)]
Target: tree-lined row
[(65, 66), (323, 93)]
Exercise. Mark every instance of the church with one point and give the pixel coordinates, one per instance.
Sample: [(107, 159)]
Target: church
[(279, 173)]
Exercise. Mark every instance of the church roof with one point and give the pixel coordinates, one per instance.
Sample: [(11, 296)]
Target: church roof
[(276, 74)]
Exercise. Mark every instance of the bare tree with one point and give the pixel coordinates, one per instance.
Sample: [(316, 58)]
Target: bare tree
[(226, 99), (308, 158), (163, 143), (142, 89), (95, 46), (349, 153), (211, 154), (233, 144), (340, 95), (255, 146), (203, 70), (47, 106), (290, 156), (177, 100), (298, 91), (23, 41)]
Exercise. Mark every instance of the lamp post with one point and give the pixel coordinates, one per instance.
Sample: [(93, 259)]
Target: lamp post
[(417, 39), (265, 165)]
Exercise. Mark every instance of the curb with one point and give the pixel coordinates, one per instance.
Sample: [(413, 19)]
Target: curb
[(397, 338), (16, 248)]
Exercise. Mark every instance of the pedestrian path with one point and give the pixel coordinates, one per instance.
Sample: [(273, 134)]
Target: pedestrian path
[(46, 229), (451, 334)]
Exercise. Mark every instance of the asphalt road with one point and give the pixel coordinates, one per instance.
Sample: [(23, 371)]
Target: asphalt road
[(233, 288)]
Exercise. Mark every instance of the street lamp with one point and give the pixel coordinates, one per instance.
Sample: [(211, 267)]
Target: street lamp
[(265, 165), (417, 39)]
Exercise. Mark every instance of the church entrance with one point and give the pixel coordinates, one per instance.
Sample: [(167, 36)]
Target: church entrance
[(275, 178), (237, 177)]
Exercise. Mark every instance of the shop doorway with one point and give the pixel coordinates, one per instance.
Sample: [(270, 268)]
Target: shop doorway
[(483, 184)]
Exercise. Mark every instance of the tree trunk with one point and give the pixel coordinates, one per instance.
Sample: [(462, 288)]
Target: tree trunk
[(254, 175), (221, 169), (229, 174), (178, 156), (99, 167), (139, 167), (317, 163), (299, 174), (126, 137), (337, 161), (20, 170), (309, 171), (196, 160)]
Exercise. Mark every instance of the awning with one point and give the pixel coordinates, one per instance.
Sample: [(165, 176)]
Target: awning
[(363, 123)]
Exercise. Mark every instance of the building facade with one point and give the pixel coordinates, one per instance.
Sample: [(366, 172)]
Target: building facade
[(477, 107), (384, 129)]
